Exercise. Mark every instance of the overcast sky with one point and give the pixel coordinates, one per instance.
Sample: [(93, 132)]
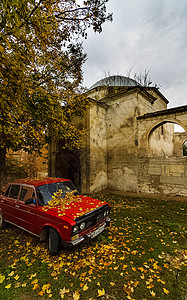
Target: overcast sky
[(144, 34)]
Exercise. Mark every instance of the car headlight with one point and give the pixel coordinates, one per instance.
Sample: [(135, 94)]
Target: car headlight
[(82, 225), (107, 212), (75, 229)]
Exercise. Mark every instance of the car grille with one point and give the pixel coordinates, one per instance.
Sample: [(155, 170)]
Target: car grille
[(94, 217), (100, 217)]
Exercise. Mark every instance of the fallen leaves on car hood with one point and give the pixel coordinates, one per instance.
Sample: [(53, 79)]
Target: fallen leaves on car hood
[(72, 206)]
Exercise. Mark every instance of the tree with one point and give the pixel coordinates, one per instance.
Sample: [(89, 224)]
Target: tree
[(41, 70), (185, 148)]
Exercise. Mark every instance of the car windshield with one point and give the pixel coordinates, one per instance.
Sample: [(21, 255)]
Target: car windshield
[(45, 192)]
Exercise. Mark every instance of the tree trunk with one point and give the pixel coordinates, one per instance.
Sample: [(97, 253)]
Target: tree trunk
[(2, 166)]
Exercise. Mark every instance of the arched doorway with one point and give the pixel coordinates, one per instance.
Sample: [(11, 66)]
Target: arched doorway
[(67, 165), (166, 139), (162, 167)]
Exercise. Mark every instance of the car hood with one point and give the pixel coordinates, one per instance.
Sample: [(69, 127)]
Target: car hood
[(82, 206)]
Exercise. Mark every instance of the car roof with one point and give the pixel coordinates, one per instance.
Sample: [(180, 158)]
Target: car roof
[(37, 182)]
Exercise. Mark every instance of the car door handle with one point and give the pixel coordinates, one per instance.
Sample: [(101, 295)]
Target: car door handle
[(17, 206)]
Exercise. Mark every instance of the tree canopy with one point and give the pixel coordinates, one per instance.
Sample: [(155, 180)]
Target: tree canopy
[(41, 69)]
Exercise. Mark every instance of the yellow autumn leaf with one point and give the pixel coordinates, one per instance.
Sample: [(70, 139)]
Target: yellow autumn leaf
[(24, 284), (41, 293), (16, 277), (2, 278), (35, 286), (155, 266), (150, 286), (34, 281), (85, 287), (136, 283), (112, 283), (153, 293), (8, 286), (45, 287), (1, 49), (17, 285), (101, 293), (32, 275), (11, 273), (141, 269), (76, 295), (165, 291)]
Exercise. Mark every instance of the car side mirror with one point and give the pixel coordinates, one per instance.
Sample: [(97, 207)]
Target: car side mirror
[(30, 201)]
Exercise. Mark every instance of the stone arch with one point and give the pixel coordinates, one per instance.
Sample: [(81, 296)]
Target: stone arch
[(164, 121), (156, 174), (148, 125), (161, 139)]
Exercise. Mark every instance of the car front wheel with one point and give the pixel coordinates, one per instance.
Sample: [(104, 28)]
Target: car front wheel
[(54, 241), (2, 221)]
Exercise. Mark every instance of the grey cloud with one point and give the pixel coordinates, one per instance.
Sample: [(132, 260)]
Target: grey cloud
[(144, 34)]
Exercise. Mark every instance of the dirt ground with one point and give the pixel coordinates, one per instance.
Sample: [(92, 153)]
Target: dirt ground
[(144, 195)]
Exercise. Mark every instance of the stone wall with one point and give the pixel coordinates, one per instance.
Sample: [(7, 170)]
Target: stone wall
[(122, 156), (161, 140), (163, 175), (98, 148), (179, 139), (128, 146)]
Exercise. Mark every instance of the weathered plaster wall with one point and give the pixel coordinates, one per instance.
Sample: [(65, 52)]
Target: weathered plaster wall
[(163, 175), (161, 140), (179, 139), (121, 137), (98, 93), (128, 146), (98, 148), (146, 105), (167, 175)]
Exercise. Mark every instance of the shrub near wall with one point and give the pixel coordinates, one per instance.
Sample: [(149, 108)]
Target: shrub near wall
[(14, 169)]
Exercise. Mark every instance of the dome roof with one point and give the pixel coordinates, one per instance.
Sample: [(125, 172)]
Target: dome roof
[(116, 80)]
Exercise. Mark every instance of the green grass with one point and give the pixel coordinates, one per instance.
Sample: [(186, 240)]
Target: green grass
[(142, 255)]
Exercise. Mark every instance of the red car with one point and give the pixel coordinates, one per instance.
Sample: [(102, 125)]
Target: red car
[(32, 205)]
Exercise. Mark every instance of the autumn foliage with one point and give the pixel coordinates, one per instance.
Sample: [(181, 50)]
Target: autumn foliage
[(41, 70)]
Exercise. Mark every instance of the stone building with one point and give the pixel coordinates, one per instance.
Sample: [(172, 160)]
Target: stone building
[(130, 143)]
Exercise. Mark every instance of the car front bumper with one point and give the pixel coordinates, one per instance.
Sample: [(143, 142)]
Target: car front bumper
[(85, 238)]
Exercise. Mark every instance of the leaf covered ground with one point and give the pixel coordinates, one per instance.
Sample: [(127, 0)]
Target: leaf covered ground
[(142, 255)]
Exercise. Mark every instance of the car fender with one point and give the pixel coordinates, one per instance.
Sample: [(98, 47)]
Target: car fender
[(64, 231)]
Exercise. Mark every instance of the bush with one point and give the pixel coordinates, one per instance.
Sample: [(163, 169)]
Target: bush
[(14, 169)]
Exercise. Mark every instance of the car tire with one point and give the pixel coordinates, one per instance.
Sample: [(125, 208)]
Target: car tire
[(2, 221), (54, 241)]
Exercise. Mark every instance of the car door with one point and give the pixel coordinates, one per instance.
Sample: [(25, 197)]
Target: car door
[(8, 202), (26, 213)]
